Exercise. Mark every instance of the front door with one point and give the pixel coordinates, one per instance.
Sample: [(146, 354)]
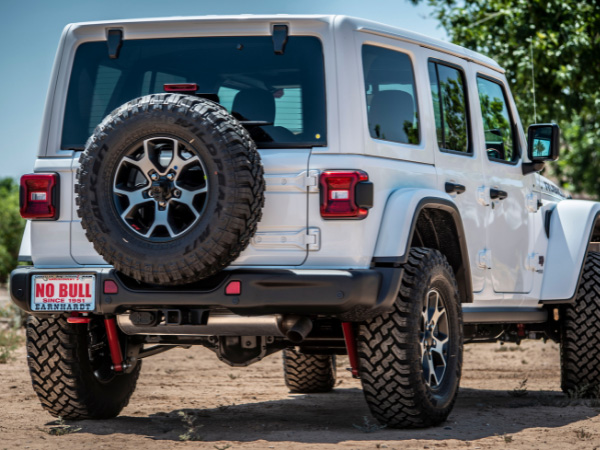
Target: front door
[(505, 189)]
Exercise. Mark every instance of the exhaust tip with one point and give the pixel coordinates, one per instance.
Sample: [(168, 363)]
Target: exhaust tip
[(298, 330)]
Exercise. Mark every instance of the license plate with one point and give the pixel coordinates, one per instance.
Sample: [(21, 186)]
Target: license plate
[(63, 293)]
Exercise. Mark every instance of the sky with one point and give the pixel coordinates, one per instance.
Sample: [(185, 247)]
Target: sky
[(31, 29)]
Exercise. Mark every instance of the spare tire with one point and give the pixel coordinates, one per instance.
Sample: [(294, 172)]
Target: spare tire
[(170, 188)]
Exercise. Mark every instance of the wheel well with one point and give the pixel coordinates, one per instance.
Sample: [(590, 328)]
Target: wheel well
[(436, 228)]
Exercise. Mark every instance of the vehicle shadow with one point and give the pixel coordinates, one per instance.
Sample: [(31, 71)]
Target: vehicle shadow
[(343, 416)]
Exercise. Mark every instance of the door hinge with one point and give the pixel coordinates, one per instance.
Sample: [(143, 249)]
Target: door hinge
[(484, 259), (533, 202), (535, 263), (483, 196), (307, 180), (306, 239)]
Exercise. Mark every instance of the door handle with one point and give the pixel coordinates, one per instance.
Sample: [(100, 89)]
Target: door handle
[(453, 188), (497, 194)]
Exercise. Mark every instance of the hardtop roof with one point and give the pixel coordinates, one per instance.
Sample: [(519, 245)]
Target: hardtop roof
[(335, 21)]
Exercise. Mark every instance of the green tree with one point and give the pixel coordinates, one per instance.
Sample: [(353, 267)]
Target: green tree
[(564, 38), (11, 226)]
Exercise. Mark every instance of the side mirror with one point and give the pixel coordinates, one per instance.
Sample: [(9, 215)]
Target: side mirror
[(543, 142)]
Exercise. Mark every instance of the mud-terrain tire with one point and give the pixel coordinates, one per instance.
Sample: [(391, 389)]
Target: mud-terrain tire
[(166, 219), (306, 374), (67, 381), (402, 388), (580, 335)]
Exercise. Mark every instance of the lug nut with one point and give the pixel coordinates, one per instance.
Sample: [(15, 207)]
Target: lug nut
[(170, 176), (154, 176), (177, 193)]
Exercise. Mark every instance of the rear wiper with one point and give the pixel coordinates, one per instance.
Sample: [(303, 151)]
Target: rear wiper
[(75, 148)]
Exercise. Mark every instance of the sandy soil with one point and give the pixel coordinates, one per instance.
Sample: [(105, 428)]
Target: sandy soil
[(251, 408)]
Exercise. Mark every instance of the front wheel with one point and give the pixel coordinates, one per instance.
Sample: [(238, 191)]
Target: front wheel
[(410, 359), (580, 335), (71, 370)]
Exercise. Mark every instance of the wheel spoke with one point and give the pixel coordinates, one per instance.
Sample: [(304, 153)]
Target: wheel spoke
[(432, 371), (161, 218), (435, 318), (136, 198), (178, 163), (187, 196), (426, 367), (145, 163), (433, 299)]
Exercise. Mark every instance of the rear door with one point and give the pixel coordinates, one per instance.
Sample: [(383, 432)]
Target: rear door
[(457, 157), (283, 95)]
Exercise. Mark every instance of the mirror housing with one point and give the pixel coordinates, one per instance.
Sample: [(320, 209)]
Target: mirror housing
[(543, 142)]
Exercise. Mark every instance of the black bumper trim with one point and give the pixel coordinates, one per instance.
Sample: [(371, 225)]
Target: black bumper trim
[(351, 295)]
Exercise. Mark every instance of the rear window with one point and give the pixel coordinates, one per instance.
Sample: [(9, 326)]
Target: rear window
[(286, 91)]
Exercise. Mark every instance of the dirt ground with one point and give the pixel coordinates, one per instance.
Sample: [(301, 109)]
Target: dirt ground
[(251, 408)]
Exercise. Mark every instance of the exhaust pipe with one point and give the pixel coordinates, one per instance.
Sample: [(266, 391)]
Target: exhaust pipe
[(297, 328), (294, 328)]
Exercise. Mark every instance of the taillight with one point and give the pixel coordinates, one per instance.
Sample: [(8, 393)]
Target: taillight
[(39, 196), (345, 194), (180, 87)]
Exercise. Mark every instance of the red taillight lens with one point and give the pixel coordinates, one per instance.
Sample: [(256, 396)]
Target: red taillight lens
[(339, 194), (39, 196)]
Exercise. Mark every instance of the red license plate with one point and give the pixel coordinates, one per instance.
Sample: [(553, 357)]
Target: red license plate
[(63, 293)]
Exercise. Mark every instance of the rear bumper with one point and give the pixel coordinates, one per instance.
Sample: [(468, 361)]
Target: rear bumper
[(351, 295)]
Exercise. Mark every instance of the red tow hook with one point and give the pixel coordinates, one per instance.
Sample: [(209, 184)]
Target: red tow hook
[(113, 344), (351, 347), (76, 318)]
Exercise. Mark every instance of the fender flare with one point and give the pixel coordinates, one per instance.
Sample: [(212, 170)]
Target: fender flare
[(398, 226), (572, 225)]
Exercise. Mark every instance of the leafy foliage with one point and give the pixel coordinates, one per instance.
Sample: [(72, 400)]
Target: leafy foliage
[(11, 226), (564, 38)]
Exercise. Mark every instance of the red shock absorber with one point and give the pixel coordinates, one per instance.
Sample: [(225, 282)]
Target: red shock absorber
[(351, 347), (113, 344)]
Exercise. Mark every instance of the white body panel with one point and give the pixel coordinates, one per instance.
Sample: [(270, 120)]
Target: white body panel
[(509, 233)]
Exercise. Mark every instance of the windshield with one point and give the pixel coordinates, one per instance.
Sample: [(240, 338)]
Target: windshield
[(286, 93)]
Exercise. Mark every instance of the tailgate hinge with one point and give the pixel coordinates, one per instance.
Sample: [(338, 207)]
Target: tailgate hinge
[(308, 238), (307, 180)]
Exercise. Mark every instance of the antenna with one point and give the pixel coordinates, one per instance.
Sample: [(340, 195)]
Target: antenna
[(532, 79)]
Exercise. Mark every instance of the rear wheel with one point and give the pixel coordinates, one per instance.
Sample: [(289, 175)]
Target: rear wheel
[(410, 359), (580, 335), (71, 369), (308, 373)]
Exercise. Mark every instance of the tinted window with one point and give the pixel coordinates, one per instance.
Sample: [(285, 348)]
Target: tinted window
[(450, 107), (497, 123), (252, 82), (391, 95)]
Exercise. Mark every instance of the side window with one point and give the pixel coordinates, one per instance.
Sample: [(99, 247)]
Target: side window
[(497, 122), (390, 95), (450, 107)]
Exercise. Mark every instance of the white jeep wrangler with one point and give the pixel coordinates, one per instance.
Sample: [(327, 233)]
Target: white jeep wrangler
[(321, 185)]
